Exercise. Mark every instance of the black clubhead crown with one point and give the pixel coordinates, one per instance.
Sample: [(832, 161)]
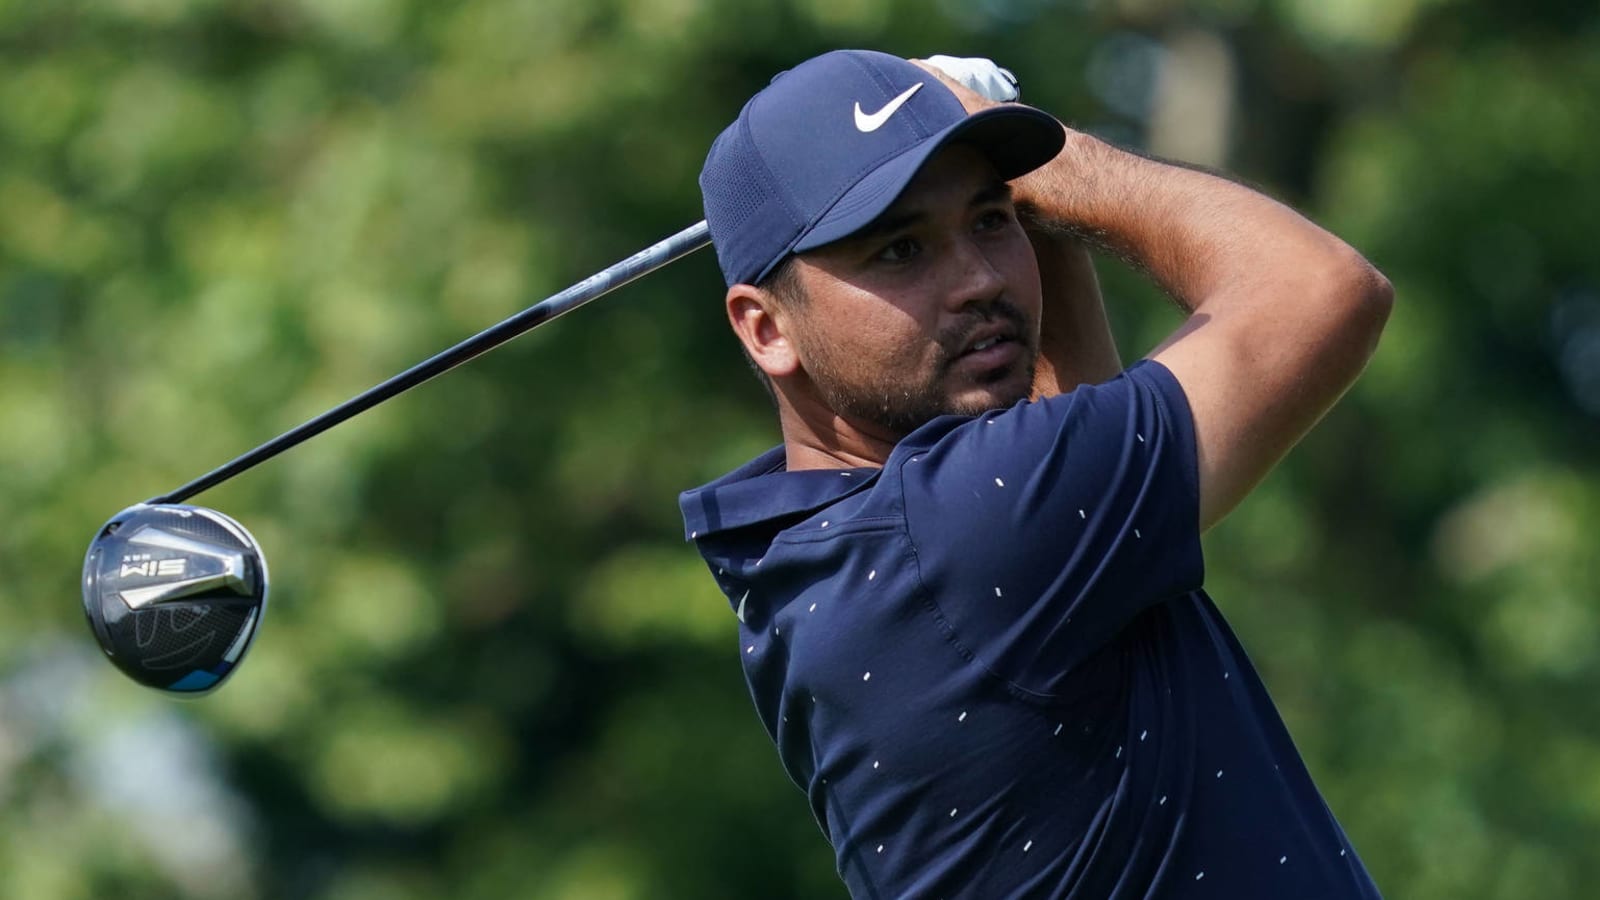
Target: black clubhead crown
[(174, 594)]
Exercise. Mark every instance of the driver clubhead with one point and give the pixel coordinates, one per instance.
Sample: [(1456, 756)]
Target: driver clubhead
[(174, 594)]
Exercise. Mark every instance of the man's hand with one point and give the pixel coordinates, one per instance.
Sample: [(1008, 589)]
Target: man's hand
[(976, 81)]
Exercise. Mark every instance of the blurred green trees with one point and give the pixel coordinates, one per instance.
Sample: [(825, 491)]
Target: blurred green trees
[(492, 668)]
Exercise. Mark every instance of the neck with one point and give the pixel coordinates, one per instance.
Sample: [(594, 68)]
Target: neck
[(816, 437)]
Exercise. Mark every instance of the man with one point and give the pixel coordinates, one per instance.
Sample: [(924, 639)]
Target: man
[(969, 581)]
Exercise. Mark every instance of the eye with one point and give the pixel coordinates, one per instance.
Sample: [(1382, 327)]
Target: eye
[(994, 219), (900, 250)]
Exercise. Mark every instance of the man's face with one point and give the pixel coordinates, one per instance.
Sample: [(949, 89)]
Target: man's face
[(932, 310)]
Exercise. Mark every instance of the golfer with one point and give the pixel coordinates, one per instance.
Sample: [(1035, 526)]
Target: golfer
[(969, 583)]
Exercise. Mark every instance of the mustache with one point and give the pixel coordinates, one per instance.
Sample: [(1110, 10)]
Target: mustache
[(952, 338)]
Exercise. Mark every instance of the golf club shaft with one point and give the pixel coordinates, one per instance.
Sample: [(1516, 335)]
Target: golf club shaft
[(595, 286)]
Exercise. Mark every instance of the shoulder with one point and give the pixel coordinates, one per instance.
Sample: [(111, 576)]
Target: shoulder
[(1043, 530), (1137, 415)]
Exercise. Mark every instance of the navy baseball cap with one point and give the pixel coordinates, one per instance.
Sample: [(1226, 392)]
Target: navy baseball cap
[(825, 148)]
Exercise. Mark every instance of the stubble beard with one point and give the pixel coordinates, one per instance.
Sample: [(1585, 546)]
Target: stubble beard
[(900, 406)]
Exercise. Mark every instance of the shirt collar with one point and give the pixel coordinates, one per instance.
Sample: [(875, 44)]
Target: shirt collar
[(762, 490)]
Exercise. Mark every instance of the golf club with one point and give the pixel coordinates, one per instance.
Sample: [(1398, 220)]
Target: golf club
[(175, 593)]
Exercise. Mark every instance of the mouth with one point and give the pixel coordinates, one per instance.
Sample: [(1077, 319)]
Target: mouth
[(993, 346), (986, 335), (988, 347)]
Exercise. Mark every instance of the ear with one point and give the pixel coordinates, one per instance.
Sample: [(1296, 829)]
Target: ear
[(761, 327)]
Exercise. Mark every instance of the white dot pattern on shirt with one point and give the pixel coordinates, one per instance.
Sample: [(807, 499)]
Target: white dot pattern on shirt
[(867, 676)]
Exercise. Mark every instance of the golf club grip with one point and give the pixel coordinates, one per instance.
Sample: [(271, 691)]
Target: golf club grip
[(595, 286)]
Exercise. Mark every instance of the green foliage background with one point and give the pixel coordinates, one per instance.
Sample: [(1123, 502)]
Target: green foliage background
[(492, 668)]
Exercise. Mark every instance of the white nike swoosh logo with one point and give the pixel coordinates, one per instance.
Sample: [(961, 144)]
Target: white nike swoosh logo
[(866, 124), (739, 613)]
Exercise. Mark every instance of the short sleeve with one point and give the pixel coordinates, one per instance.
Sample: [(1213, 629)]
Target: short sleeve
[(1043, 530)]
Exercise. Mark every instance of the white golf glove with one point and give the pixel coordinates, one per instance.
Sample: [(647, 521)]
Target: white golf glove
[(980, 75)]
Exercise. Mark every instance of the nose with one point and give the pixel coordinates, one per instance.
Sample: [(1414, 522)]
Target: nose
[(975, 279)]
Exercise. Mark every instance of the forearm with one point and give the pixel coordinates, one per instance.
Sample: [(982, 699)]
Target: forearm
[(1199, 236), (1075, 341)]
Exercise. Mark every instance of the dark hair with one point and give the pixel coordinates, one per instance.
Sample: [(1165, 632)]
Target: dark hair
[(783, 282)]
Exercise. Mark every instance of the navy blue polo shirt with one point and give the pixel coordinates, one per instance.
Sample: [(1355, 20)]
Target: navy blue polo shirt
[(991, 667)]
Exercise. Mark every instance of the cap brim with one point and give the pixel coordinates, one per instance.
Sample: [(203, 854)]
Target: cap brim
[(1016, 139)]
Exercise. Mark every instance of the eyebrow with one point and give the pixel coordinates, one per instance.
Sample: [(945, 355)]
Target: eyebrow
[(893, 220)]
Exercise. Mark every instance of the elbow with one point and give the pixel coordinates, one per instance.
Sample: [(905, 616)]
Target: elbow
[(1364, 298), (1376, 294), (1375, 302)]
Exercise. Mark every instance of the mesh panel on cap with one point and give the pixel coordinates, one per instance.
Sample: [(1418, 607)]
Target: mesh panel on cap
[(739, 194), (750, 225)]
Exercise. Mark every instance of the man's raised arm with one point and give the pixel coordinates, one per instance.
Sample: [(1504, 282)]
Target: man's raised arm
[(1282, 314)]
